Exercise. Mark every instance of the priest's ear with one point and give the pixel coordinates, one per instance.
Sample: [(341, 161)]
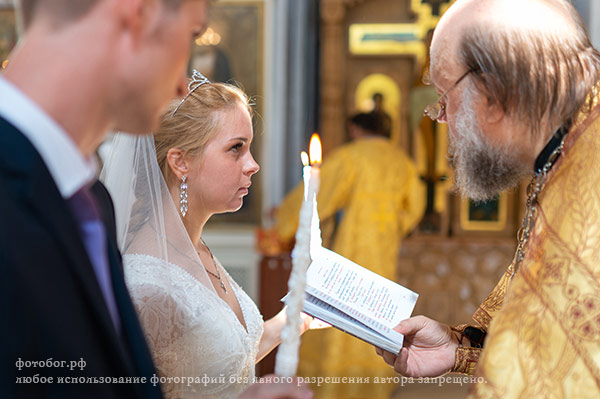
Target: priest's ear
[(493, 111), (178, 162)]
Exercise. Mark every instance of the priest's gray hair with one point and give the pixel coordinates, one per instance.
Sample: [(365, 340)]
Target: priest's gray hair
[(533, 74)]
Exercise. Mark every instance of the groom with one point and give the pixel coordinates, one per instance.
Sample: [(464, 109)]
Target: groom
[(67, 326)]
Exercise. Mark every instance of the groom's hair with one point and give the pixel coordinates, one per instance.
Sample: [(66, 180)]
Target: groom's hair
[(63, 11)]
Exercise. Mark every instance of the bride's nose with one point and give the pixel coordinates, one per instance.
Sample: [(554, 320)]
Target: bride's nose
[(252, 166)]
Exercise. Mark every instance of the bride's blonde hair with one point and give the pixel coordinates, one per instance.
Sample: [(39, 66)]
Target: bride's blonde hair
[(190, 124)]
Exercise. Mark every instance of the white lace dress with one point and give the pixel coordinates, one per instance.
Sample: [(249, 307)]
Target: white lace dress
[(193, 334)]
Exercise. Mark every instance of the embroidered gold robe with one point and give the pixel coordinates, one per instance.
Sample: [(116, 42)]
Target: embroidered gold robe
[(544, 326)]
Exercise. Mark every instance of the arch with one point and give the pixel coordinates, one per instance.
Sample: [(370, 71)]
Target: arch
[(384, 84)]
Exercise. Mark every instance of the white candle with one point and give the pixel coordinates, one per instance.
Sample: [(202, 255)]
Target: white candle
[(286, 362), (315, 181), (315, 223)]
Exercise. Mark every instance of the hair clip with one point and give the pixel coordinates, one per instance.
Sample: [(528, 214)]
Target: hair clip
[(197, 80)]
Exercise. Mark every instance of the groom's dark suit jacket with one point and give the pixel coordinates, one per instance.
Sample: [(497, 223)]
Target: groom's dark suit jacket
[(53, 319)]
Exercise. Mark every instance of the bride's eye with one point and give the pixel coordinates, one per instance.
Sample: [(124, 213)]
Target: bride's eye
[(237, 147)]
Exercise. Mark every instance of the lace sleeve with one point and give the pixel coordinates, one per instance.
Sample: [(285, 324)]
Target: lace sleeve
[(165, 318), (162, 321)]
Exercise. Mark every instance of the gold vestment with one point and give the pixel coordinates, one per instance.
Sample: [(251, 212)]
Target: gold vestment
[(544, 325)]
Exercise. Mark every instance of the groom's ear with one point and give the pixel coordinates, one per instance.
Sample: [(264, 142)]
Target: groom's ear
[(178, 162), (137, 16)]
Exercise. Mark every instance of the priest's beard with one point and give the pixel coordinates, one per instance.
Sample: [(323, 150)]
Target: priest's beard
[(482, 171)]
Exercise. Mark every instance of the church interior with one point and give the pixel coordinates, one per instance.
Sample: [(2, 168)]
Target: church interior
[(308, 66)]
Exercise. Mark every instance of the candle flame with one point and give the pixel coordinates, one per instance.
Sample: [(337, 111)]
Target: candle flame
[(315, 150), (304, 158)]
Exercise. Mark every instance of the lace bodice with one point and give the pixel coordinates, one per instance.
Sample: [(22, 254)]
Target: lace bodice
[(192, 332)]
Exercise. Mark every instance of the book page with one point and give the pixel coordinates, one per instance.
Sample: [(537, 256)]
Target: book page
[(362, 294), (322, 310)]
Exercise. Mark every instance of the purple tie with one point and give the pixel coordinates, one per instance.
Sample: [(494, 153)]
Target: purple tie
[(92, 230)]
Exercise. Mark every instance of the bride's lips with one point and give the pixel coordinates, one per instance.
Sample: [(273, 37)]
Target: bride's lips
[(244, 189)]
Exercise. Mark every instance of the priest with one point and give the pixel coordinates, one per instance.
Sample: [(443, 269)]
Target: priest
[(519, 86)]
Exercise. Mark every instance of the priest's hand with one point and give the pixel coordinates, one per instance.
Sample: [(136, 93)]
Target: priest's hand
[(271, 387), (429, 348)]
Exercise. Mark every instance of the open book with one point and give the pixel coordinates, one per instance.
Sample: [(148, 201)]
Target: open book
[(356, 300)]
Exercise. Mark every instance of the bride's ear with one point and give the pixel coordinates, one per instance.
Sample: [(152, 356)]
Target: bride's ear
[(178, 162)]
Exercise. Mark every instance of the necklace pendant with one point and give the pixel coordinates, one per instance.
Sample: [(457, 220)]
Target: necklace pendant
[(223, 286)]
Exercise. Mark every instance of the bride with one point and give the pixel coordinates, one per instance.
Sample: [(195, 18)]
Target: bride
[(205, 333)]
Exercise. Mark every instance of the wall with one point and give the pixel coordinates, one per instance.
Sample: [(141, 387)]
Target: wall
[(590, 13), (235, 247), (452, 275)]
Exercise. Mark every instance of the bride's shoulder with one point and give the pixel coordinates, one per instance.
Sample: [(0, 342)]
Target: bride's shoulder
[(136, 261), (143, 267), (148, 270)]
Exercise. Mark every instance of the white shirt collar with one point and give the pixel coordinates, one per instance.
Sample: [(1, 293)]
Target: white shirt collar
[(69, 169)]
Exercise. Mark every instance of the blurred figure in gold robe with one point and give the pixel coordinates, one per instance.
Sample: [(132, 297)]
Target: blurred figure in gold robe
[(370, 194)]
